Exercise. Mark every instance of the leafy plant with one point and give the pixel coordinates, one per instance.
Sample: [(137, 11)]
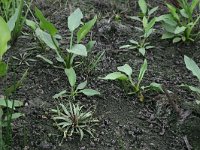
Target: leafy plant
[(75, 90), (125, 74), (72, 119), (47, 33), (180, 24), (192, 66), (147, 28), (12, 11)]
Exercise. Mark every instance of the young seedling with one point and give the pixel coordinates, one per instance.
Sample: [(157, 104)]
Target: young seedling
[(125, 74), (147, 28), (47, 33), (181, 22), (192, 66), (75, 90), (72, 120)]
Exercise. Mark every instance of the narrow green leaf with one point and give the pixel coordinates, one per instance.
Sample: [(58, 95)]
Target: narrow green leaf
[(143, 69), (192, 66), (44, 23), (115, 75), (89, 92), (45, 59), (3, 69), (143, 6), (85, 29), (5, 36)]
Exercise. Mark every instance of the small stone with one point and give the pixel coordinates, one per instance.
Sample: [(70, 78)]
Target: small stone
[(82, 148), (92, 144)]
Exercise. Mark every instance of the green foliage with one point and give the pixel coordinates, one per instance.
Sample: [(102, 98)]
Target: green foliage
[(4, 38), (75, 89), (12, 12), (72, 120), (147, 28), (125, 74), (180, 24), (47, 33), (192, 66)]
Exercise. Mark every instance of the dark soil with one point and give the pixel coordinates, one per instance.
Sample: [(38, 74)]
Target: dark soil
[(125, 123)]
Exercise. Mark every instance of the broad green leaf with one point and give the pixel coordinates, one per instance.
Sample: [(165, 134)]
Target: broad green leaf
[(31, 24), (3, 69), (142, 70), (176, 39), (126, 69), (179, 30), (192, 66), (183, 13), (46, 38), (143, 6), (142, 50), (45, 59), (115, 75), (82, 85), (78, 49), (44, 23), (85, 29), (71, 76), (89, 92), (74, 20), (156, 87), (5, 36), (167, 35)]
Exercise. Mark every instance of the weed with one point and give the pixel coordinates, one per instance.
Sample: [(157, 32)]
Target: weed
[(147, 28), (125, 74), (73, 120), (180, 24)]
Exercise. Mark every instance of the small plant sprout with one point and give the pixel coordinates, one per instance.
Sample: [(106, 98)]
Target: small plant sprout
[(125, 74), (192, 66), (72, 120), (75, 90), (147, 28), (47, 33), (180, 24)]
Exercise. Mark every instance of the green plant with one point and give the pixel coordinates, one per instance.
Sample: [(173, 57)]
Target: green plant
[(73, 120), (125, 74), (12, 11), (75, 90), (192, 66), (47, 33), (147, 28), (180, 24)]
